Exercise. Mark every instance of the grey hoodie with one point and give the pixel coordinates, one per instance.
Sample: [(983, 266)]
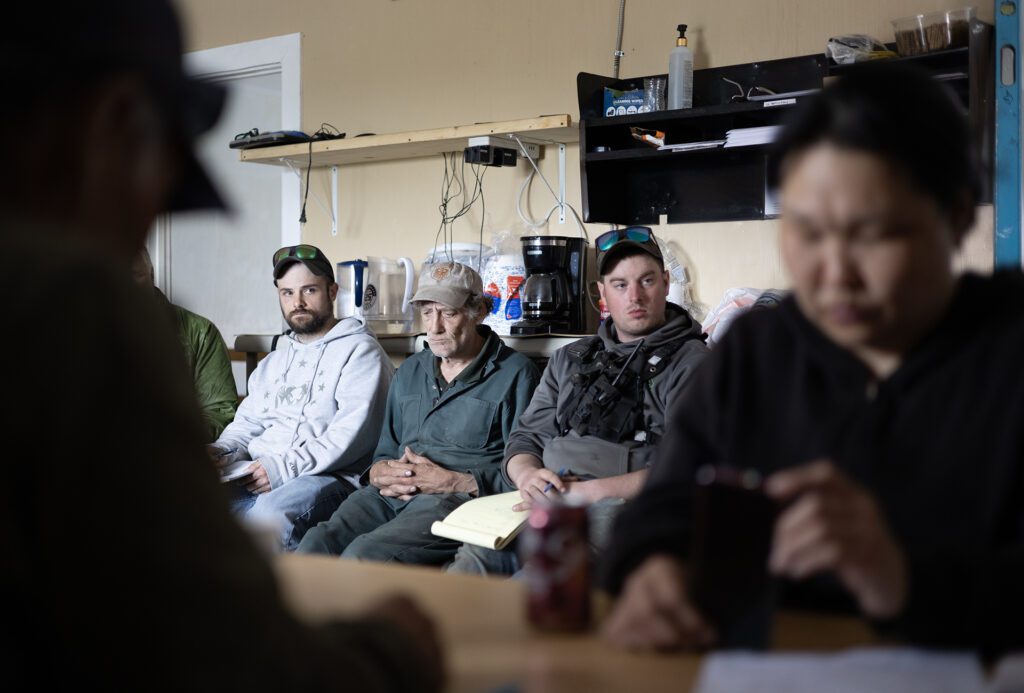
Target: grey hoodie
[(314, 408), (589, 456)]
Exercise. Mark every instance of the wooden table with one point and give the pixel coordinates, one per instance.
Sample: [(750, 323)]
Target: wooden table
[(489, 645)]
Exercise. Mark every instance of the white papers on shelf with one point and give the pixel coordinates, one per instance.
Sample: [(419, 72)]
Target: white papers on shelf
[(690, 146), (745, 137), (783, 95)]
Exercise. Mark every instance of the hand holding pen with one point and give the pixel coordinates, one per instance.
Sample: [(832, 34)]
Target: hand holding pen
[(561, 475), (541, 485)]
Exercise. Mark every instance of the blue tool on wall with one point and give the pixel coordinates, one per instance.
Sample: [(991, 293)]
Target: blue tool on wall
[(1007, 175)]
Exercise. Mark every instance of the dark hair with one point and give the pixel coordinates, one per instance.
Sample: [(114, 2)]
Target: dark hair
[(896, 112)]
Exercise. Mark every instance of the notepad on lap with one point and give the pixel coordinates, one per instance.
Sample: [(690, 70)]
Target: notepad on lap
[(489, 522), (236, 470)]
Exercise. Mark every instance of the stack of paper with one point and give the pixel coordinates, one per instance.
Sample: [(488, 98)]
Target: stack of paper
[(745, 137), (690, 146)]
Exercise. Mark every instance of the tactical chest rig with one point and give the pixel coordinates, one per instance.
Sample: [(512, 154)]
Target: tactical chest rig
[(607, 400)]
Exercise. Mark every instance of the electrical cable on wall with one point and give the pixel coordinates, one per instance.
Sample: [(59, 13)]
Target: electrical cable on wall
[(532, 223), (325, 132), (453, 185), (617, 55)]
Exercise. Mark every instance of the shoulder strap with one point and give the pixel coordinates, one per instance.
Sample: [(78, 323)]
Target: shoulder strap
[(659, 358), (584, 350)]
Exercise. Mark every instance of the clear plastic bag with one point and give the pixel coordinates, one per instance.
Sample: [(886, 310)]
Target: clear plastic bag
[(856, 48)]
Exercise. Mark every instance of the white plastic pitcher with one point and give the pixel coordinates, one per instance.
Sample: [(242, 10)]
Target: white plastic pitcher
[(388, 289), (351, 284)]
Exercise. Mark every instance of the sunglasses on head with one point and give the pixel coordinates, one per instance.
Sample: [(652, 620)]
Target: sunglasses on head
[(640, 234), (302, 252)]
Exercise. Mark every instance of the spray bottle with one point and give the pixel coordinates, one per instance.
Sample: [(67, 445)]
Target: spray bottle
[(680, 73)]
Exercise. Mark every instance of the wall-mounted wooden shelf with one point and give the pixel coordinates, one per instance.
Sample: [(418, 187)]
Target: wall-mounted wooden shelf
[(409, 145)]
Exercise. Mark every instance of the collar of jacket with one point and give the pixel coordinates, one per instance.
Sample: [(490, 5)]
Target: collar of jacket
[(678, 323)]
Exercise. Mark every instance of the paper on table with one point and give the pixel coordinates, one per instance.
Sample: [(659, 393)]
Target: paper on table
[(489, 521), (879, 670)]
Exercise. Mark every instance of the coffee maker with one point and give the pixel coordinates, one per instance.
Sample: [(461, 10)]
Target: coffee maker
[(554, 295)]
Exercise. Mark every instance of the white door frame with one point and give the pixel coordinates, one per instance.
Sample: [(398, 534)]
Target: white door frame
[(276, 55)]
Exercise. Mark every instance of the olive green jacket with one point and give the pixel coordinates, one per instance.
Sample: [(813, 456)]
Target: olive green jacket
[(208, 362)]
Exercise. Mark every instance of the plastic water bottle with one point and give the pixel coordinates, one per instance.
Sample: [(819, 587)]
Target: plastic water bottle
[(679, 280), (680, 73)]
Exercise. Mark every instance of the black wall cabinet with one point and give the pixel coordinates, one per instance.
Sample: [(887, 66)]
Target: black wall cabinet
[(626, 181)]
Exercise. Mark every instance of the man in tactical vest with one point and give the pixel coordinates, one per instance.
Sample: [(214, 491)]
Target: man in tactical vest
[(594, 422)]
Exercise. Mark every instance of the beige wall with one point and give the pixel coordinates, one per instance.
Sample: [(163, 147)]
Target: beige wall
[(392, 65)]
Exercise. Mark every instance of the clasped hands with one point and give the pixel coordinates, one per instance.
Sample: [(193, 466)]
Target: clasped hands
[(413, 474), (829, 524)]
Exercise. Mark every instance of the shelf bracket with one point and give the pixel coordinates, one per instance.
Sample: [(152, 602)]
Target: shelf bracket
[(561, 183), (334, 200)]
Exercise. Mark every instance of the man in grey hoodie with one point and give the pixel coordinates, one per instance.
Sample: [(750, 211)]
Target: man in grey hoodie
[(314, 410), (594, 423)]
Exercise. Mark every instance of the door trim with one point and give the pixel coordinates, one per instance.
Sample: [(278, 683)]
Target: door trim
[(275, 55)]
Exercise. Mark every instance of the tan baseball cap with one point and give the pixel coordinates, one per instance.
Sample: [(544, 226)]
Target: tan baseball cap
[(450, 283)]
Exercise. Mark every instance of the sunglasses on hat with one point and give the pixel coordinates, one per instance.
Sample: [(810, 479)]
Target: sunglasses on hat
[(639, 234), (301, 252)]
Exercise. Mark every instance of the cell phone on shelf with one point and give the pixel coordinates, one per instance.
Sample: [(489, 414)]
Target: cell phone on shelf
[(729, 580)]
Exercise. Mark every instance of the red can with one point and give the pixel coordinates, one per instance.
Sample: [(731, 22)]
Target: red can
[(556, 558)]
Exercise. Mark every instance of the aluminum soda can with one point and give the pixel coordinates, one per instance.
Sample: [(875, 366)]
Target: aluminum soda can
[(556, 557)]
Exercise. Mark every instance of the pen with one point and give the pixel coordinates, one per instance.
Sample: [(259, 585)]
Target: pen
[(225, 453), (561, 472)]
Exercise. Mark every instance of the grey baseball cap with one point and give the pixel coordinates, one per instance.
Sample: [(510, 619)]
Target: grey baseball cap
[(450, 283)]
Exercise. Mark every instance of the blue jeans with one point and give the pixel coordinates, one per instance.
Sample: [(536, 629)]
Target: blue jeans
[(293, 507)]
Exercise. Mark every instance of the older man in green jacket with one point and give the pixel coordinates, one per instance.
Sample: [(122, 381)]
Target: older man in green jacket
[(449, 414)]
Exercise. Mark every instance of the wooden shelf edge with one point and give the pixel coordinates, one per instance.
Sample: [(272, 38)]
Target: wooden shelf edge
[(412, 144)]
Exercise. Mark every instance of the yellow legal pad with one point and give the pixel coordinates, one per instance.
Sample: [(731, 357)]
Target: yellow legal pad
[(489, 522)]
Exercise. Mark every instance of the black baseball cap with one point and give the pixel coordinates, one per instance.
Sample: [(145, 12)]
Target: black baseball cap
[(309, 255), (84, 43), (613, 244)]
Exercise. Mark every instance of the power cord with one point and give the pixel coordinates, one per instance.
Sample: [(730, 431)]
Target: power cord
[(453, 185), (325, 132), (532, 223)]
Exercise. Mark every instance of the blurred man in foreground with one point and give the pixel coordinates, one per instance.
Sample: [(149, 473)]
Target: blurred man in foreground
[(123, 566)]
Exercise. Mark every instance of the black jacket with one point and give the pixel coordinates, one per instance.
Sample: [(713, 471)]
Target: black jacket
[(940, 443)]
